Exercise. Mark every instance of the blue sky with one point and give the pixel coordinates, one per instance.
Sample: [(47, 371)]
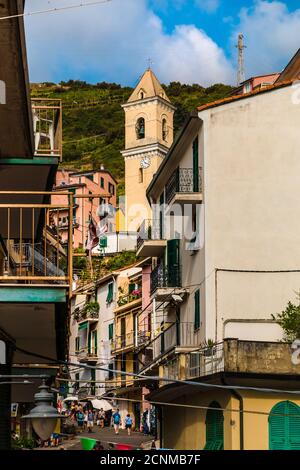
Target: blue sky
[(188, 40)]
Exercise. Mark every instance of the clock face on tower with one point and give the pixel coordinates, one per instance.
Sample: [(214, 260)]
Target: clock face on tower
[(145, 163)]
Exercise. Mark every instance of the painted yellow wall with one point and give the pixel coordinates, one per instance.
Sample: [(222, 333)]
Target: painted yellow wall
[(185, 429)]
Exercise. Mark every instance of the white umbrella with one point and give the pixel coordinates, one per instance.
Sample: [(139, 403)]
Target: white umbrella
[(98, 404), (71, 399)]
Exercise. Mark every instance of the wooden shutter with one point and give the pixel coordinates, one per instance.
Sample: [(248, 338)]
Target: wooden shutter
[(214, 428), (197, 310), (284, 427), (110, 294), (111, 331), (196, 186)]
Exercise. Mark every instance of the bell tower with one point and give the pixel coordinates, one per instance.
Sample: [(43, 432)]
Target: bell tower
[(148, 137)]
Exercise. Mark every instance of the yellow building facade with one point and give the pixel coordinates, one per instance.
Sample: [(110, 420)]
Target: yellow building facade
[(148, 137)]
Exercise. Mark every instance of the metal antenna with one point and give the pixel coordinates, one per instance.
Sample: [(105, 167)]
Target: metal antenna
[(241, 60), (150, 63)]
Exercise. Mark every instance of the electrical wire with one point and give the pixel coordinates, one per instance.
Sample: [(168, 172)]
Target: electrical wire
[(162, 379), (55, 10)]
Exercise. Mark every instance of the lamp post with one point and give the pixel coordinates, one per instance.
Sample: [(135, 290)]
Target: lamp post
[(43, 416)]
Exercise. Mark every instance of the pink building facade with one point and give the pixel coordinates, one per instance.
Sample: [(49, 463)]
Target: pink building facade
[(94, 182)]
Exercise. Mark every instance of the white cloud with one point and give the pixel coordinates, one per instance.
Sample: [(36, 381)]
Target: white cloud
[(272, 36), (113, 41), (210, 6)]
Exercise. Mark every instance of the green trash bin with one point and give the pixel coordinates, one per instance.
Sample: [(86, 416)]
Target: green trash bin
[(87, 443)]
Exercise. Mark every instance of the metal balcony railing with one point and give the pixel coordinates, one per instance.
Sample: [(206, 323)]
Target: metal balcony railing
[(82, 313), (207, 361), (149, 230), (122, 341), (184, 181), (47, 126), (165, 276), (30, 240), (174, 335), (128, 298)]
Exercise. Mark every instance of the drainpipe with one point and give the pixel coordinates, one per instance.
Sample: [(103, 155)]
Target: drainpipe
[(239, 397)]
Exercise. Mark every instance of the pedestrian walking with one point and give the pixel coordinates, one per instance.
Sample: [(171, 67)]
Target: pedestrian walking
[(90, 422), (117, 421), (80, 420), (85, 422), (128, 424), (101, 418)]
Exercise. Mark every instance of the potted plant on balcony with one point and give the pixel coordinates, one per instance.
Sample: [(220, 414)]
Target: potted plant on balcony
[(91, 309), (209, 348)]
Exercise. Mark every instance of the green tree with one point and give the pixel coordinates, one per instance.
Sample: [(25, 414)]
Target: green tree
[(289, 320)]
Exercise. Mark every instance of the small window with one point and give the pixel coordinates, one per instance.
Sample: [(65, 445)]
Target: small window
[(142, 95), (110, 294), (111, 188), (102, 182), (140, 128), (141, 175), (90, 177), (164, 130)]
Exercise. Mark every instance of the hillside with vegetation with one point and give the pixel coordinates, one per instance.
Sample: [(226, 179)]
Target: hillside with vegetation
[(93, 120)]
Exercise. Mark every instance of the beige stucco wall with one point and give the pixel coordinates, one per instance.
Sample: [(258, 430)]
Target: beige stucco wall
[(251, 201)]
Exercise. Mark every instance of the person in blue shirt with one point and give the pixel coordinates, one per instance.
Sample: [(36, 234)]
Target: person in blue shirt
[(128, 424), (116, 420)]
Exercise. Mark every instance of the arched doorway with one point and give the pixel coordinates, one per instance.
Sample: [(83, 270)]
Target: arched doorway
[(284, 426), (214, 427)]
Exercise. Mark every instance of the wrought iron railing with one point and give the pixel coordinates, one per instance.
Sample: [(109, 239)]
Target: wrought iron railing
[(149, 230), (174, 335), (165, 276), (185, 181), (83, 313), (122, 341), (128, 298)]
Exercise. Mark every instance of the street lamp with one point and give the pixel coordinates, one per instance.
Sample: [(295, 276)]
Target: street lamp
[(43, 416)]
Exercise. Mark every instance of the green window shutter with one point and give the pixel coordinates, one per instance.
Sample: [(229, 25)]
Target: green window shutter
[(214, 428), (111, 331), (102, 182), (173, 277), (131, 288), (84, 325), (77, 343), (294, 426), (95, 345), (196, 186), (197, 310), (103, 242), (110, 294), (284, 426)]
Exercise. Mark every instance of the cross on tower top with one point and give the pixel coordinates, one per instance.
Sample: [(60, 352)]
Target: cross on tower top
[(150, 63)]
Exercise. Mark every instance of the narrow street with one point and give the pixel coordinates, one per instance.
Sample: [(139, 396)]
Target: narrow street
[(107, 436)]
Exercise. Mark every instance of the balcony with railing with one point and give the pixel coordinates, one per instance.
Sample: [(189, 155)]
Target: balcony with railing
[(47, 127), (129, 301), (88, 354), (150, 240), (166, 280), (184, 186), (30, 241), (87, 312), (123, 343), (179, 337)]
